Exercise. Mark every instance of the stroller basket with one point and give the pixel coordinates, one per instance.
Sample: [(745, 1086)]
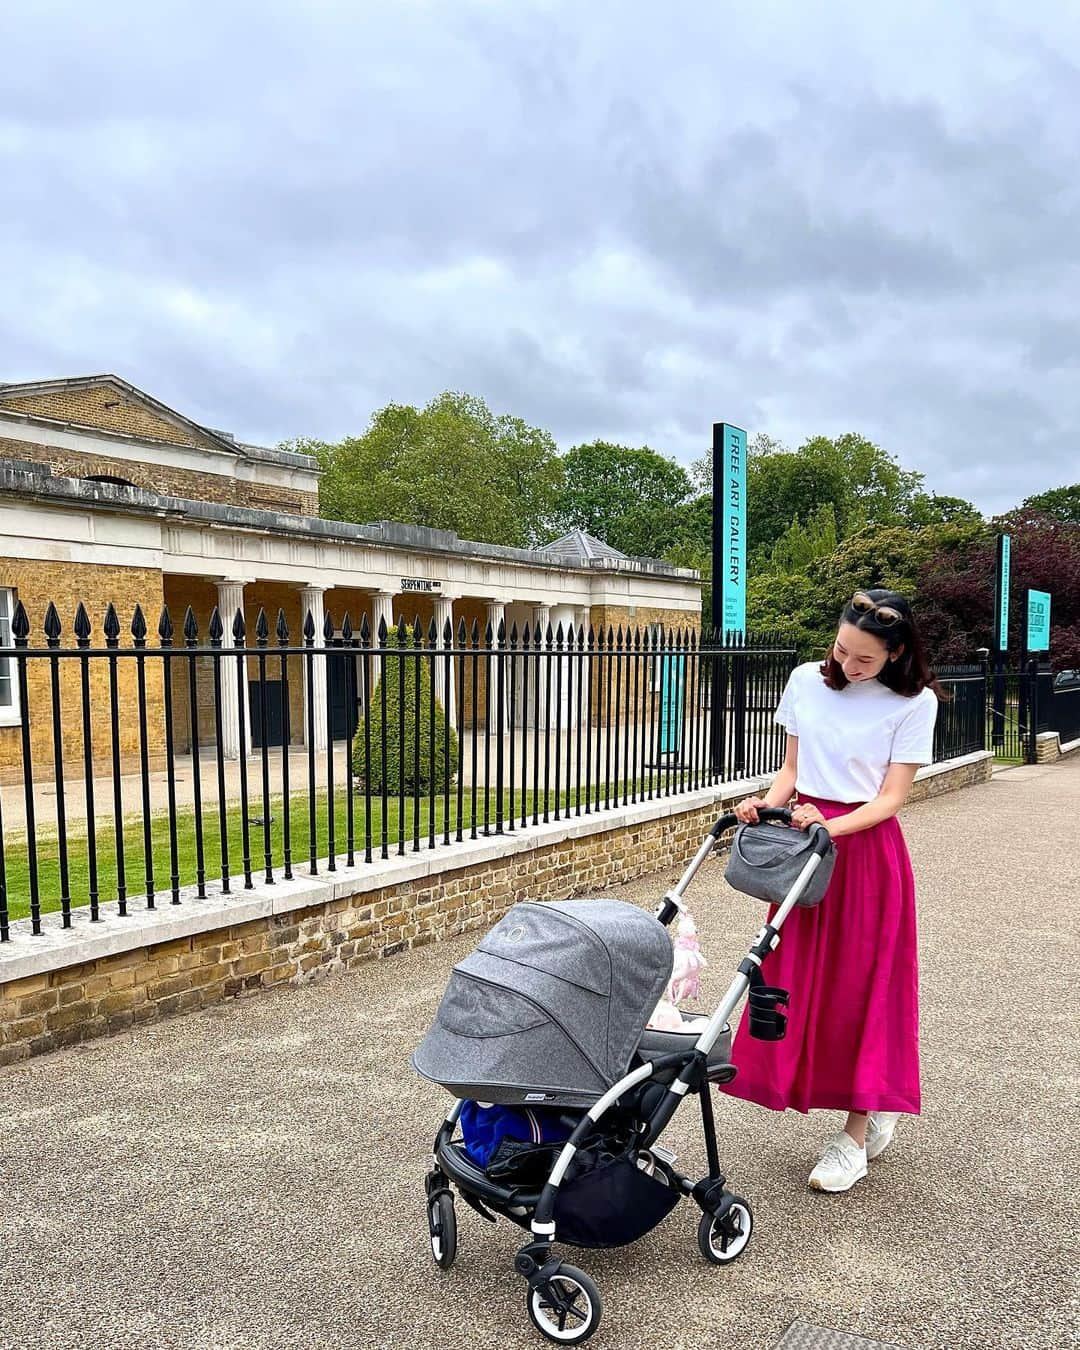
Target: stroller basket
[(613, 1204)]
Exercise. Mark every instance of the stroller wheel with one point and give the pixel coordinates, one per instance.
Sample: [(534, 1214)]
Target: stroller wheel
[(442, 1224), (567, 1310), (723, 1236)]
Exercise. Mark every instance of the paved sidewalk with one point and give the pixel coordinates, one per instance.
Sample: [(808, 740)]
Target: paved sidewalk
[(251, 1176)]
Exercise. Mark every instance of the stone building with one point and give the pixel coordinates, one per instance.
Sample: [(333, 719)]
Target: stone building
[(108, 496)]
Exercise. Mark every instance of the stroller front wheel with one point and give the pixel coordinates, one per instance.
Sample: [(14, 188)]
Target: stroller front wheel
[(567, 1309), (442, 1226), (724, 1236)]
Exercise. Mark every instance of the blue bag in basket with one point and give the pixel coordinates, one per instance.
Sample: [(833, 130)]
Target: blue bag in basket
[(483, 1128)]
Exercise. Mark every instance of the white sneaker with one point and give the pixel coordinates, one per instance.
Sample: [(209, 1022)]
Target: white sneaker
[(841, 1165), (879, 1132)]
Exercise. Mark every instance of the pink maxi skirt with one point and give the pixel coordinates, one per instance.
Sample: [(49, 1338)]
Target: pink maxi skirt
[(851, 966)]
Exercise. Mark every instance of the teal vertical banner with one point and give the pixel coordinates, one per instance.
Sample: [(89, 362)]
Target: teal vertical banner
[(672, 684), (1002, 608), (1038, 621), (734, 526)]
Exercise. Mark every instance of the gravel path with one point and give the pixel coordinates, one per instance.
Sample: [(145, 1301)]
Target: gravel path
[(251, 1176)]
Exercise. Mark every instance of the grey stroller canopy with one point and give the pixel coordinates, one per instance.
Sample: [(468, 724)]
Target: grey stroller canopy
[(551, 1005)]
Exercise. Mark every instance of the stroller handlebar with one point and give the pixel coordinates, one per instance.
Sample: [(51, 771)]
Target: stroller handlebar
[(765, 813), (672, 902)]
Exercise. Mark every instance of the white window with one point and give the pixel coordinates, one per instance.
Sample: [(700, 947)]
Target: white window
[(9, 683)]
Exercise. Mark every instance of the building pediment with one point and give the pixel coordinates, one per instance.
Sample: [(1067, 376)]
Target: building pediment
[(108, 403)]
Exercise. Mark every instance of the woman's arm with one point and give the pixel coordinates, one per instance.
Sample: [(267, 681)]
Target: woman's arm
[(783, 785), (893, 794), (779, 793)]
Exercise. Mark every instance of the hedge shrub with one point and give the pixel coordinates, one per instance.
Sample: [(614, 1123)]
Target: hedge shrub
[(438, 772)]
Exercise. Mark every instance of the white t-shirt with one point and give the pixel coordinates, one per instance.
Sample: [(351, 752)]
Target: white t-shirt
[(848, 737)]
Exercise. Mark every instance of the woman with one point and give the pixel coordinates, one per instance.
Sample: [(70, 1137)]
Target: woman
[(858, 728)]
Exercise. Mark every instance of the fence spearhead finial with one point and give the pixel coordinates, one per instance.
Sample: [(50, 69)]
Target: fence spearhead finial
[(82, 626), (20, 624), (52, 626)]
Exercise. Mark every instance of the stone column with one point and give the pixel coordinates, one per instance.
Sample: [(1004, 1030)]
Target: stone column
[(382, 610), (445, 692), (311, 600), (582, 619), (234, 683), (539, 620), (496, 614)]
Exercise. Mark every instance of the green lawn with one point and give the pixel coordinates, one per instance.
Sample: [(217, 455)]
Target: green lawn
[(17, 867)]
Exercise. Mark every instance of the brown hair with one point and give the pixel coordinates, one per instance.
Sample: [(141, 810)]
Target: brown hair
[(910, 673)]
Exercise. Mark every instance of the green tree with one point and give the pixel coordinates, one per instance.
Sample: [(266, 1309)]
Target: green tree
[(665, 531), (788, 604), (1063, 503), (864, 484), (801, 544), (453, 465), (608, 491), (932, 508), (395, 773)]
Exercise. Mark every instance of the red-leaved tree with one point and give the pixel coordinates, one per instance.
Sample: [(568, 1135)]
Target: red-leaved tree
[(955, 587)]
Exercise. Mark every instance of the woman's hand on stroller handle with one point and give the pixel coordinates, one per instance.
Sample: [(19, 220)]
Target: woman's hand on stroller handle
[(753, 811)]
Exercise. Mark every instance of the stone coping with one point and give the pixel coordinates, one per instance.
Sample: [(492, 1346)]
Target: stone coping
[(28, 478), (89, 940), (948, 765)]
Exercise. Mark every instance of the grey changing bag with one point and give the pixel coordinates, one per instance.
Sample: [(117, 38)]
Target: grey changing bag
[(767, 859)]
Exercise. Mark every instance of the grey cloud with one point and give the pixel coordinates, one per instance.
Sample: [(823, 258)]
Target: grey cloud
[(279, 216)]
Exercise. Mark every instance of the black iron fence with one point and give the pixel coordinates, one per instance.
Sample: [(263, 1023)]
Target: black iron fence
[(1063, 712), (144, 767), (1023, 703), (961, 722), (149, 763)]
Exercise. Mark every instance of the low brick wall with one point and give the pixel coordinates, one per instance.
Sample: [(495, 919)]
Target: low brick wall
[(70, 985), (1049, 747), (955, 773)]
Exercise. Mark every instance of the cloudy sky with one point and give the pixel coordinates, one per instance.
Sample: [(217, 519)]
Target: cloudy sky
[(614, 219)]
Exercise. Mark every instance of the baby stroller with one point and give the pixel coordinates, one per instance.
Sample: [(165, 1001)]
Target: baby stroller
[(549, 1013)]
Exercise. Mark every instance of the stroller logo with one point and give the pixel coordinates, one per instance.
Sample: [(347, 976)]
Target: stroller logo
[(516, 933)]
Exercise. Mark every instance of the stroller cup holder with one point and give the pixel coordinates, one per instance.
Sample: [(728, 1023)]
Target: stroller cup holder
[(765, 1001)]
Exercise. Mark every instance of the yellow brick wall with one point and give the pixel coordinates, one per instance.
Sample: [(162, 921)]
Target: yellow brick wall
[(165, 479), (106, 407), (637, 697), (66, 584)]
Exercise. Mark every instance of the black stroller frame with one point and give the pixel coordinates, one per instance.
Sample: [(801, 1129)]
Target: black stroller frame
[(563, 1301)]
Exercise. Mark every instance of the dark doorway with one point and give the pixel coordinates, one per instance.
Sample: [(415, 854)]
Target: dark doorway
[(342, 694), (275, 721)]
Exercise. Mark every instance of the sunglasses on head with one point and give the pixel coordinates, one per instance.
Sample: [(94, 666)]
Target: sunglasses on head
[(885, 615)]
